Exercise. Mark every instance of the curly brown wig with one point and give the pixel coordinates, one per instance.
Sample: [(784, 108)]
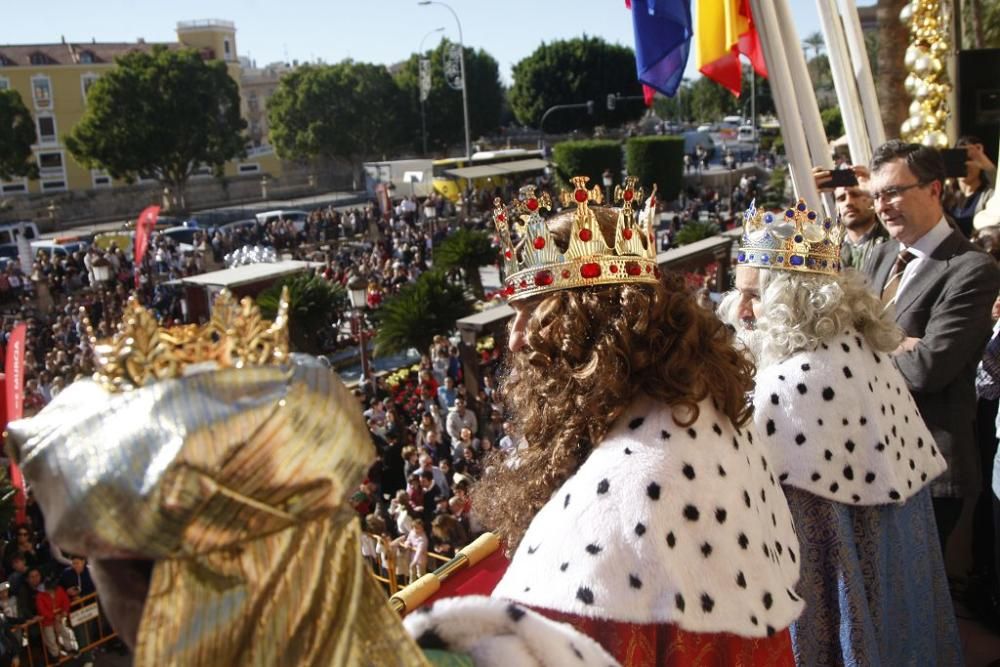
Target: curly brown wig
[(589, 352)]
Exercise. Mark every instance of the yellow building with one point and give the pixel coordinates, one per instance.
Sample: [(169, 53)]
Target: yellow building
[(53, 80)]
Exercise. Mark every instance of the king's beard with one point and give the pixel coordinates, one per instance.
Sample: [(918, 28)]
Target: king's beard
[(751, 339)]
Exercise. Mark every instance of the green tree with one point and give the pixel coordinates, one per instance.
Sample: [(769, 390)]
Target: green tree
[(574, 71), (17, 134), (893, 39), (349, 110), (696, 230), (833, 123), (589, 158), (466, 250), (982, 24), (443, 107), (659, 161), (160, 115), (710, 101), (815, 42), (419, 312), (314, 305)]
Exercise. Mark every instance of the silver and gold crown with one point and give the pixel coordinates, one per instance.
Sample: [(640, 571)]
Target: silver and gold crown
[(534, 264), (796, 239)]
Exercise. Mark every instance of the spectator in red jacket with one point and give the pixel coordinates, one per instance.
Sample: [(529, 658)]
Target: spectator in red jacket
[(52, 604)]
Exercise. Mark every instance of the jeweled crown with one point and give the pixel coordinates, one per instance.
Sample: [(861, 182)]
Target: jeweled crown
[(534, 264), (141, 351), (796, 239)]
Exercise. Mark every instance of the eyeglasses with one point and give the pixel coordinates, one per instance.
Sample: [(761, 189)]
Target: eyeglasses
[(894, 193)]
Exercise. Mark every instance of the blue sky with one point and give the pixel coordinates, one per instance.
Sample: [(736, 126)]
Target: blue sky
[(382, 31)]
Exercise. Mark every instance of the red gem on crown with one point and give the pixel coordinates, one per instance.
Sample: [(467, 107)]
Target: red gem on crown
[(524, 283), (627, 233), (539, 243), (633, 268), (543, 278), (628, 195), (613, 268), (501, 217), (565, 273), (508, 254), (532, 204), (590, 270), (585, 235), (580, 196)]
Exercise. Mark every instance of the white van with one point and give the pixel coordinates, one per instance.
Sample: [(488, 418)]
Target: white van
[(59, 247), (747, 134), (10, 231), (297, 217)]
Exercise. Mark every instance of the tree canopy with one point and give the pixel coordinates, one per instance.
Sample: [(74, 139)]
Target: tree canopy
[(17, 134), (161, 115), (704, 100), (443, 107), (575, 71), (348, 110)]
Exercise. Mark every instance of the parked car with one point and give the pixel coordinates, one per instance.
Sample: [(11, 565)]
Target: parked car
[(59, 247), (297, 217), (699, 138)]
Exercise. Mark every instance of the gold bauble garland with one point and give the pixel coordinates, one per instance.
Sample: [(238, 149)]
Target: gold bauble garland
[(927, 80)]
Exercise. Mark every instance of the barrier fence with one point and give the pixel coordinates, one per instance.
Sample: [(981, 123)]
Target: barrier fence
[(86, 624)]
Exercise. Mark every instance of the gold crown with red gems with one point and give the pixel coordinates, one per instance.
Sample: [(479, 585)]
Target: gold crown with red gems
[(533, 263)]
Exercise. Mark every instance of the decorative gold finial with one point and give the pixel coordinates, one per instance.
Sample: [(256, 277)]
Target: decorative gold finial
[(141, 352)]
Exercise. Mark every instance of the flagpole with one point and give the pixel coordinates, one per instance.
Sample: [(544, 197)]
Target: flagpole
[(783, 90), (862, 72), (812, 123), (848, 97)]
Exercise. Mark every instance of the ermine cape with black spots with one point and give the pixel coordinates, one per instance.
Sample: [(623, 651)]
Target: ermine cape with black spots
[(663, 523), (840, 423)]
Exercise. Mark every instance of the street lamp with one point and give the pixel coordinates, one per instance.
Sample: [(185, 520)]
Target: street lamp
[(420, 92), (465, 84), (357, 292)]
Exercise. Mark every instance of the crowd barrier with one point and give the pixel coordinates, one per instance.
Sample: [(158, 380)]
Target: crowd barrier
[(87, 623)]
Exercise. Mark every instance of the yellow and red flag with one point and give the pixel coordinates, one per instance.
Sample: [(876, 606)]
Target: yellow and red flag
[(724, 29)]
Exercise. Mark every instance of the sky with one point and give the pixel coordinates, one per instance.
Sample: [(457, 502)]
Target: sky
[(380, 31)]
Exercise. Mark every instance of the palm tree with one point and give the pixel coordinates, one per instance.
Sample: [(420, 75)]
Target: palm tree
[(419, 312), (893, 38), (815, 42), (314, 306), (466, 250)]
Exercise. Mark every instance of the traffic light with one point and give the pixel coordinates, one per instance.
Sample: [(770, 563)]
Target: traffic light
[(612, 98), (590, 107)]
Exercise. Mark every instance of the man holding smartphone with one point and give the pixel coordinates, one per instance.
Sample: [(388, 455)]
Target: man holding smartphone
[(976, 180), (856, 211)]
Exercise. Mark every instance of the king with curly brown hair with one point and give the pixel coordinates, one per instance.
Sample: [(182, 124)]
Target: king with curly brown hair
[(639, 507)]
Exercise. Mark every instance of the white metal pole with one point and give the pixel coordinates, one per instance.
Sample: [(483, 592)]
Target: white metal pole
[(819, 147), (862, 72), (843, 80), (783, 90)]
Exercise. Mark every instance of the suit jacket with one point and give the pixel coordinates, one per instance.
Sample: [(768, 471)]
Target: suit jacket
[(947, 306)]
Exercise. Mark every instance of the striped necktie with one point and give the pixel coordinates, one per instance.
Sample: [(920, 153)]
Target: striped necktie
[(896, 276)]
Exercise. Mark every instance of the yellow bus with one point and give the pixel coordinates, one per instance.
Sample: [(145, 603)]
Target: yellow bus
[(485, 169)]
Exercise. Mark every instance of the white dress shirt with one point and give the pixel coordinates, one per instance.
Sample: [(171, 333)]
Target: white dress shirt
[(921, 249)]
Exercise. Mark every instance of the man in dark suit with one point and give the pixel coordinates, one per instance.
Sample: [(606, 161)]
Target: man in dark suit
[(942, 288)]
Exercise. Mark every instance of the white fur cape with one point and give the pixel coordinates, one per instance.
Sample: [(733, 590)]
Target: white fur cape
[(497, 633), (666, 524), (841, 424)]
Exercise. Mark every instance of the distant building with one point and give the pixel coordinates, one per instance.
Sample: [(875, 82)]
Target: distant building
[(53, 80)]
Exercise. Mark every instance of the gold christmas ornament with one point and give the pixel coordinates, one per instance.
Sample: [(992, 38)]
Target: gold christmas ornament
[(927, 81)]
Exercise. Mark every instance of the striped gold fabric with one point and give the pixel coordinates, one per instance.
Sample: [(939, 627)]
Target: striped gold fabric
[(234, 483)]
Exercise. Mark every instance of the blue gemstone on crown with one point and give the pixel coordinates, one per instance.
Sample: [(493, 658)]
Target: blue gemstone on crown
[(780, 258), (795, 260), (789, 213), (742, 257), (827, 224), (768, 218), (798, 238), (764, 259), (811, 261), (812, 214), (802, 206)]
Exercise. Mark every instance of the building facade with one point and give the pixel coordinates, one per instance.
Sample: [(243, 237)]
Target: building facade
[(53, 80)]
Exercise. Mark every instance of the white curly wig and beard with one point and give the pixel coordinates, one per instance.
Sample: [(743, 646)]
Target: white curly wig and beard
[(798, 311)]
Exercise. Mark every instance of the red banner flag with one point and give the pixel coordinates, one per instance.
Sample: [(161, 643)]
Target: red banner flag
[(143, 229), (14, 403)]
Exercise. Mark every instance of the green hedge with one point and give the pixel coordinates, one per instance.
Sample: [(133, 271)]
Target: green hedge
[(587, 158), (658, 160)]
